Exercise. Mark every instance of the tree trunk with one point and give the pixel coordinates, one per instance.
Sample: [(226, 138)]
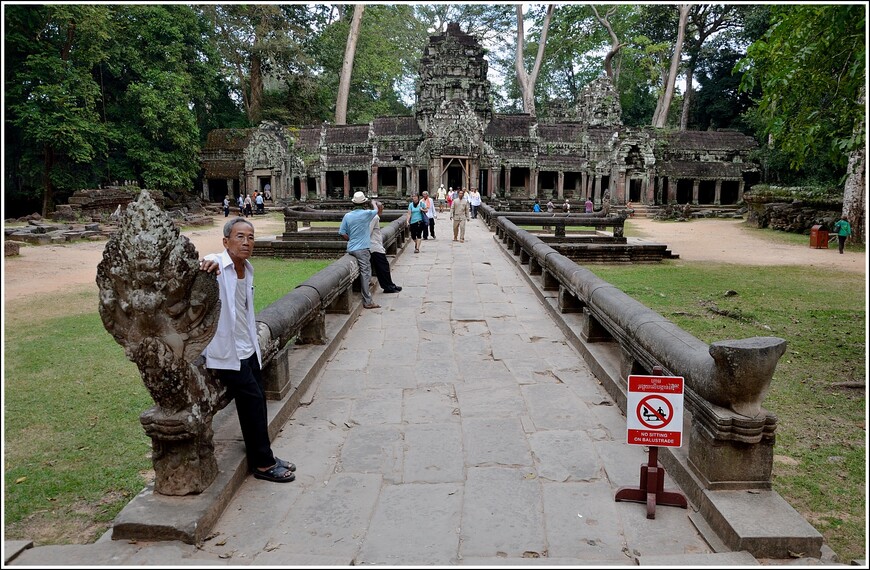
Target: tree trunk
[(255, 107), (662, 117), (855, 191), (527, 80), (48, 189), (687, 98), (347, 66), (615, 46)]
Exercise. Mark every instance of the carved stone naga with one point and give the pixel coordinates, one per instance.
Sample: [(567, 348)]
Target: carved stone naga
[(163, 310)]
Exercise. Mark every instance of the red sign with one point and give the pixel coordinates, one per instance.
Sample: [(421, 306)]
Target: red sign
[(654, 410)]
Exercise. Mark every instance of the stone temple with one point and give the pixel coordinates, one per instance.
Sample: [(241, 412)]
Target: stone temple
[(454, 138)]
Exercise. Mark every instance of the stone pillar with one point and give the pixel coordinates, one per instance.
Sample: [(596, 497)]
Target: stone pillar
[(576, 190), (597, 190), (415, 175), (491, 180), (474, 171), (717, 196), (584, 176), (303, 186), (619, 195), (205, 189), (560, 184), (672, 189), (346, 184), (321, 191), (646, 190), (507, 181), (740, 190), (400, 176), (373, 180), (696, 183)]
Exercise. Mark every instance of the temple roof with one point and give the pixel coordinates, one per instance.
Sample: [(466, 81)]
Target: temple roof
[(223, 168), (509, 125), (559, 132), (347, 134), (396, 126), (228, 139), (708, 140)]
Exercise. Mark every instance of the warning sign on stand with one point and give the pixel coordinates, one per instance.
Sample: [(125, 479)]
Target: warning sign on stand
[(654, 410)]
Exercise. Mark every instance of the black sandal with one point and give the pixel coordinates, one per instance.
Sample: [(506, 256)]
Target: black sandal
[(277, 474), (286, 464)]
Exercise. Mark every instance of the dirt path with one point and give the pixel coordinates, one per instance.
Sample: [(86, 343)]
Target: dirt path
[(730, 241), (53, 268)]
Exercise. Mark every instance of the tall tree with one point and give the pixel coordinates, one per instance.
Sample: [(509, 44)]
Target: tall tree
[(347, 66), (660, 116), (525, 79), (52, 96), (705, 20), (811, 68), (615, 44), (257, 41)]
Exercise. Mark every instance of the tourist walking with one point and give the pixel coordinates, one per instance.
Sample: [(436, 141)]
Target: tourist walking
[(234, 351), (241, 203), (550, 207), (260, 204), (416, 216), (843, 230), (380, 263), (441, 197), (460, 211), (356, 229), (249, 210), (431, 214), (226, 206), (537, 206), (589, 205), (474, 201), (566, 207)]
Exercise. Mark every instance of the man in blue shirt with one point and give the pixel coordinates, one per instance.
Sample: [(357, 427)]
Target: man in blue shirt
[(356, 229)]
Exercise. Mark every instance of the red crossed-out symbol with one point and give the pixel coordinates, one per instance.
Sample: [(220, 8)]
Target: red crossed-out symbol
[(651, 409)]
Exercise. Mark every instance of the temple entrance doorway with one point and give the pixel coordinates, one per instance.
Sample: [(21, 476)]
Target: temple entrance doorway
[(634, 189), (457, 171)]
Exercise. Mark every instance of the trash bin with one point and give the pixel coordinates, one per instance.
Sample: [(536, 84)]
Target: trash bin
[(818, 237)]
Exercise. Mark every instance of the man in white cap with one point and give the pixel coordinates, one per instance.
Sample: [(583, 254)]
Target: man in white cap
[(356, 230)]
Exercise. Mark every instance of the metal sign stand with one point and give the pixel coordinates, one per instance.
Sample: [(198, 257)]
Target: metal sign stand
[(652, 482)]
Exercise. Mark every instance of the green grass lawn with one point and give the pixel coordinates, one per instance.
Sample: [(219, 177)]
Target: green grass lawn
[(75, 452), (820, 464)]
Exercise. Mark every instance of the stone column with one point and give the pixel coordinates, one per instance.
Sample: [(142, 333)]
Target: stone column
[(583, 179), (576, 190), (695, 185), (303, 186), (717, 196), (475, 173), (346, 184), (205, 195), (400, 175), (646, 190), (597, 190), (507, 181), (672, 189), (321, 191), (619, 195), (491, 188), (740, 190), (373, 178), (560, 185)]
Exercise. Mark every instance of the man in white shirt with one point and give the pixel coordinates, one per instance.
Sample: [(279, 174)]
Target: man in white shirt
[(234, 352)]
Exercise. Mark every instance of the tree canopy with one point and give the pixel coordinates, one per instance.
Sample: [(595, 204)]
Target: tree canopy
[(97, 93)]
